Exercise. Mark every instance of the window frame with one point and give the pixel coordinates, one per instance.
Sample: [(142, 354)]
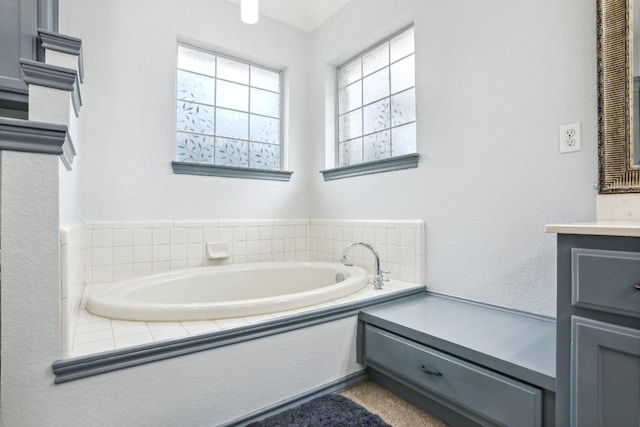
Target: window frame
[(404, 161), (195, 168)]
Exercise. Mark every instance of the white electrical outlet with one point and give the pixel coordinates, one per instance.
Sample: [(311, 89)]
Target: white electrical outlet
[(570, 138)]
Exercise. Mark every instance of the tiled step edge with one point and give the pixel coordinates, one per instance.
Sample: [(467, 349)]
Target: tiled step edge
[(96, 364)]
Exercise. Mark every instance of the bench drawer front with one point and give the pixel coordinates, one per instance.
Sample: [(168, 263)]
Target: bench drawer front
[(486, 393), (605, 280)]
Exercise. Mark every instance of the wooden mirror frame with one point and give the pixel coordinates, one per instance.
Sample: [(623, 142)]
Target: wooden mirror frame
[(617, 171)]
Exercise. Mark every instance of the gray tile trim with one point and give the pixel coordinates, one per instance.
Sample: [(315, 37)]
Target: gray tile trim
[(52, 76), (332, 387), (32, 137), (229, 171), (394, 163), (83, 367), (65, 44)]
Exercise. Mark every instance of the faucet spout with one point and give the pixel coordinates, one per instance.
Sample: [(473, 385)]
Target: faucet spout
[(378, 279)]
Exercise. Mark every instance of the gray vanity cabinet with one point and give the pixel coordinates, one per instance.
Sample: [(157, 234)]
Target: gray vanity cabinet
[(19, 23), (598, 347)]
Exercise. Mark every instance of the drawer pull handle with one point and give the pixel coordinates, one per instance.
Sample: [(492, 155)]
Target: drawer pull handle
[(427, 371), (637, 286)]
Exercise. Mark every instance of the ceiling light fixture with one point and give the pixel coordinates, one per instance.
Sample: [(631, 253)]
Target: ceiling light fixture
[(249, 11)]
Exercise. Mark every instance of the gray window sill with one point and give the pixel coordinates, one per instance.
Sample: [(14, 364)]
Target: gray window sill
[(230, 171), (395, 163)]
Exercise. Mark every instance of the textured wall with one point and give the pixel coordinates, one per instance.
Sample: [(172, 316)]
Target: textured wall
[(128, 118), (70, 181), (493, 84), (495, 80), (201, 389), (30, 295)]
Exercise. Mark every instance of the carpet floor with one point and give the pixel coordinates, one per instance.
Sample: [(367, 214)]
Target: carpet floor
[(391, 408)]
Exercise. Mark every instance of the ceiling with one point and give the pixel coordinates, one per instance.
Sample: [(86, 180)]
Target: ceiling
[(304, 14)]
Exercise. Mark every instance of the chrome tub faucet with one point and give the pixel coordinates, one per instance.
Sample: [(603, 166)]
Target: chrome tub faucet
[(378, 279)]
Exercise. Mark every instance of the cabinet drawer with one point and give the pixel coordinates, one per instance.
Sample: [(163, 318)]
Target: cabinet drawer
[(493, 396), (605, 280)]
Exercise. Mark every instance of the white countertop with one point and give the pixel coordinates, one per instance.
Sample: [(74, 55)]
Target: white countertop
[(600, 228)]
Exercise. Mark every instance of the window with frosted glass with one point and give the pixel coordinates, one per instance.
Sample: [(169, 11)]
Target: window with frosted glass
[(376, 102), (228, 111)]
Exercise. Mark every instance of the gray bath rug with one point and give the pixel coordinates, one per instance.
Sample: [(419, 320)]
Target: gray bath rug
[(331, 410)]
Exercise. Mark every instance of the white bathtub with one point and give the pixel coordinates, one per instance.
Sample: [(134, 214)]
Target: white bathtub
[(228, 291)]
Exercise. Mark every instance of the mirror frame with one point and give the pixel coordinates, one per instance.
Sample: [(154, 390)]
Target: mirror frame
[(617, 171)]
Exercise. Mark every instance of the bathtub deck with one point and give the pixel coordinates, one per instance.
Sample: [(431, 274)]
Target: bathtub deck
[(96, 334)]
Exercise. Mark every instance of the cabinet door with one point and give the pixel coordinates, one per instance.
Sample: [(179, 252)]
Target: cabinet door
[(605, 374)]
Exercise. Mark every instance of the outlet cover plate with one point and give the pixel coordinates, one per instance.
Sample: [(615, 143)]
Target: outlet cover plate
[(570, 138)]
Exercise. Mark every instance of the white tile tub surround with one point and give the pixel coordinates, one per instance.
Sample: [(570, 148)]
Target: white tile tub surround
[(400, 244), (116, 250), (71, 281), (96, 334)]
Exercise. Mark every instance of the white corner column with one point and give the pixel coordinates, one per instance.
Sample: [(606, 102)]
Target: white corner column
[(61, 104), (30, 276), (65, 52), (34, 154)]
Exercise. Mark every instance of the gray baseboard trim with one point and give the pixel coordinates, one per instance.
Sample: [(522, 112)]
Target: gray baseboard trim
[(32, 137), (87, 366), (54, 77), (394, 163), (65, 44), (230, 171), (330, 388)]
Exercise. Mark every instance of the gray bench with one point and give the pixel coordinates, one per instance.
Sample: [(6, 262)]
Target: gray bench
[(467, 363)]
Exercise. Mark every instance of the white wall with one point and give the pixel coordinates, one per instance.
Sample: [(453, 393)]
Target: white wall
[(495, 79), (494, 82), (202, 389), (70, 180), (128, 118)]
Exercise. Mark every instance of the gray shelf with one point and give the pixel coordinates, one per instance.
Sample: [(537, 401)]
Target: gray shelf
[(516, 344)]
